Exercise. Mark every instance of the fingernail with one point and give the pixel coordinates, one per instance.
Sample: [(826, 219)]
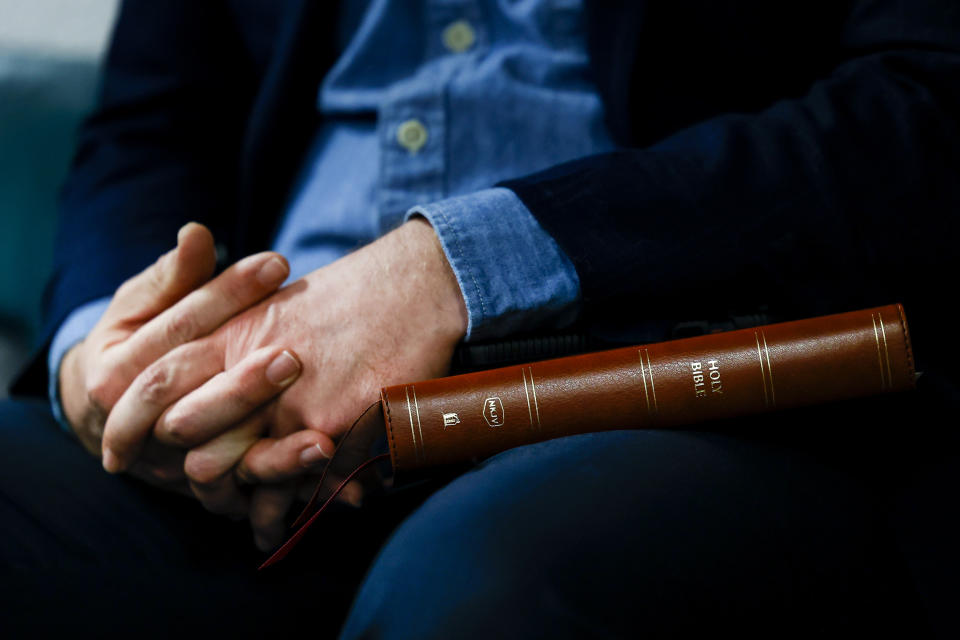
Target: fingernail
[(273, 272), (110, 462), (283, 370), (312, 455)]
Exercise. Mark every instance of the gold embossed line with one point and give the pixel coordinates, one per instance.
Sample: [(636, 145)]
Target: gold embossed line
[(416, 406), (526, 392), (763, 372), (883, 352), (536, 404), (413, 430), (766, 351), (876, 337), (649, 391), (643, 376), (653, 385), (886, 350)]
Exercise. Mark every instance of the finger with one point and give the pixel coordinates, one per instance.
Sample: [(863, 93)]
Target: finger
[(268, 507), (209, 466), (203, 310), (222, 497), (208, 463), (157, 387), (167, 461), (171, 277), (272, 460), (352, 494), (228, 398), (162, 467)]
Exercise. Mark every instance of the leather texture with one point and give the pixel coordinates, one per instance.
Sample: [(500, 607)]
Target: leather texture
[(668, 384)]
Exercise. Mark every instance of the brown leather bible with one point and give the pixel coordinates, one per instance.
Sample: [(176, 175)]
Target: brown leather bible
[(664, 385), (655, 386)]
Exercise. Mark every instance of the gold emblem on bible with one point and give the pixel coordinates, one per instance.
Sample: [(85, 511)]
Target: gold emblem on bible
[(493, 411), (450, 419)]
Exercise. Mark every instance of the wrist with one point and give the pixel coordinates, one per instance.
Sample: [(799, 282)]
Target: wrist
[(437, 276), (513, 275), (70, 387), (73, 398)]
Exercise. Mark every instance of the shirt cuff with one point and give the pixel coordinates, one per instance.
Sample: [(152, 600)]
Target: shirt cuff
[(512, 274), (74, 329)]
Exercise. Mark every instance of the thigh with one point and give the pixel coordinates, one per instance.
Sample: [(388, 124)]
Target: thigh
[(85, 550), (651, 533)]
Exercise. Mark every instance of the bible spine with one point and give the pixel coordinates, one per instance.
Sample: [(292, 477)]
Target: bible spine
[(667, 384)]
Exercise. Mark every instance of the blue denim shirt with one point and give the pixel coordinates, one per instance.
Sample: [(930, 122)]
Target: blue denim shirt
[(429, 105)]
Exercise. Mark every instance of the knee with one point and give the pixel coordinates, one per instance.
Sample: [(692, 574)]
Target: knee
[(468, 562), (588, 533)]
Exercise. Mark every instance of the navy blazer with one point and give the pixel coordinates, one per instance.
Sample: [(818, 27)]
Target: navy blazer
[(801, 156)]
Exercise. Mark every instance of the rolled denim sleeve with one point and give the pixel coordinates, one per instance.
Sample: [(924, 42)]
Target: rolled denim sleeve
[(74, 329), (513, 275)]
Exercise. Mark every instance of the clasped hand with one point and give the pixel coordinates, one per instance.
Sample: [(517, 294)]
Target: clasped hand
[(234, 390)]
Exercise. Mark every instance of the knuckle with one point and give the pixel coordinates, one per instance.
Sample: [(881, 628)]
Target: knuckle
[(133, 283), (156, 381), (177, 426), (124, 289), (182, 327), (234, 291), (99, 390), (156, 274)]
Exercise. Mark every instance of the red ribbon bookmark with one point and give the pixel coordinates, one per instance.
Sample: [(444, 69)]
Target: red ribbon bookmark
[(288, 546)]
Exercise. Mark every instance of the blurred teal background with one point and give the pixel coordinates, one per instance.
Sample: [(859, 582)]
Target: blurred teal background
[(49, 54)]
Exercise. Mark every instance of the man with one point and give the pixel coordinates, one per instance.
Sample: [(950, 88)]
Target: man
[(750, 155)]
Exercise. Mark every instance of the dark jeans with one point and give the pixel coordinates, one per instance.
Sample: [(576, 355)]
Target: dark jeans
[(808, 522)]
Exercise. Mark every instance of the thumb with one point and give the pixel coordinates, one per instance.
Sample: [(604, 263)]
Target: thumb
[(171, 277)]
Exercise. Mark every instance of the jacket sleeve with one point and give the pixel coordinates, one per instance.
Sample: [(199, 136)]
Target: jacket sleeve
[(160, 148), (844, 197)]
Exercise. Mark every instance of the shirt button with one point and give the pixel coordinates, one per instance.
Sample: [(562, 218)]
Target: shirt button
[(412, 135), (459, 36)]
